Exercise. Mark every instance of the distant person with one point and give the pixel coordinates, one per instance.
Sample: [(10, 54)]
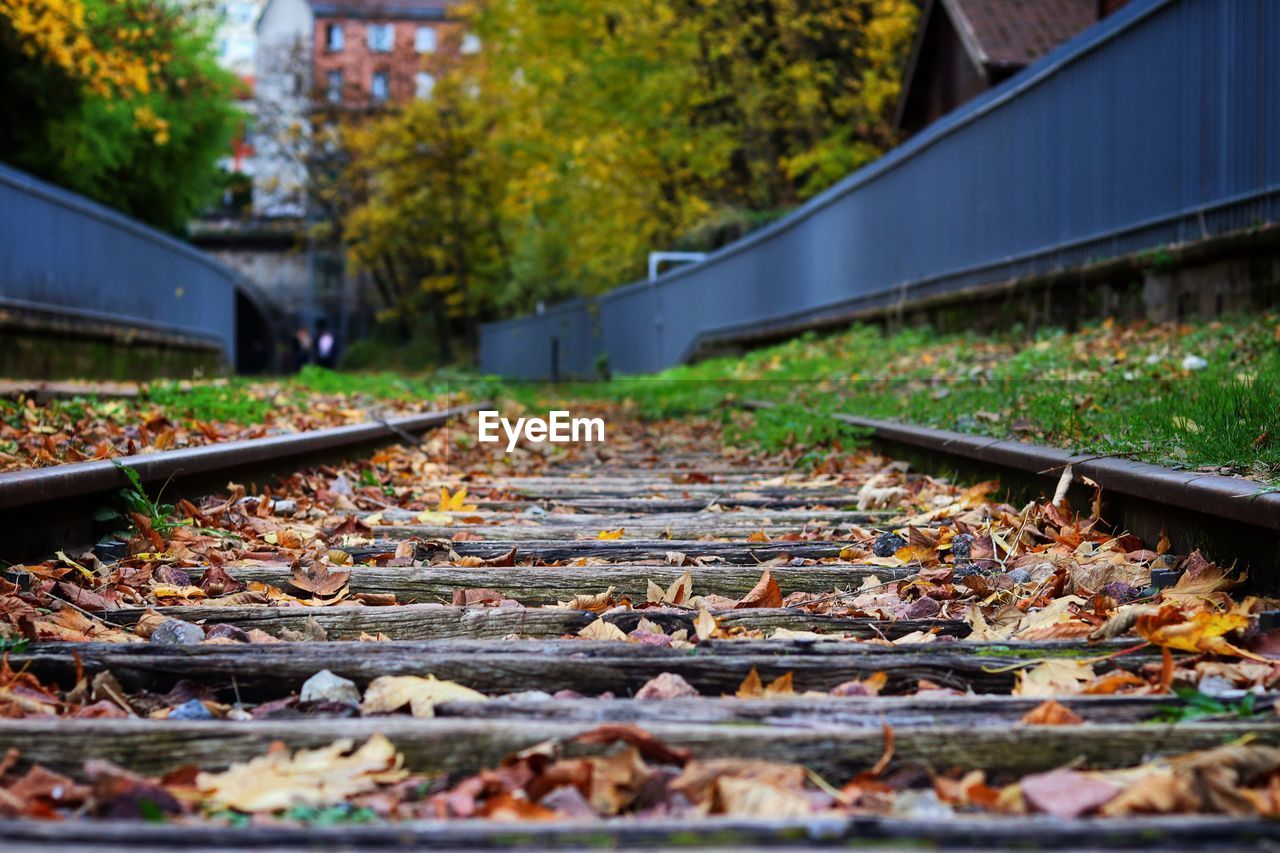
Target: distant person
[(326, 345), (301, 354)]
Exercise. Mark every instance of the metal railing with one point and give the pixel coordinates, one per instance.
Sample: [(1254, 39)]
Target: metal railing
[(1159, 125), (66, 256)]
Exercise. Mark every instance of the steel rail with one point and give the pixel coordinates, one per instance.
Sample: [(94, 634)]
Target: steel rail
[(1229, 498), (1229, 518), (44, 508)]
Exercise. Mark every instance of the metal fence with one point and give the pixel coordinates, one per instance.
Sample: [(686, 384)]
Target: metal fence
[(1159, 125), (64, 255)]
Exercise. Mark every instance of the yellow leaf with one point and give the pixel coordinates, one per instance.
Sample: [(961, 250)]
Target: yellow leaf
[(602, 630), (456, 502), (756, 799), (389, 693), (1170, 628), (316, 777), (170, 591), (611, 534), (1053, 678), (73, 564), (753, 688), (704, 624), (596, 603), (429, 517)]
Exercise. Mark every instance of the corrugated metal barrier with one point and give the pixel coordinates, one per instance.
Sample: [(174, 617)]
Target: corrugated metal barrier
[(64, 255), (1159, 125)]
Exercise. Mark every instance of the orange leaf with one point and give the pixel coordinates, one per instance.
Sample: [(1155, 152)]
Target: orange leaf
[(1051, 713), (1171, 627), (764, 594)]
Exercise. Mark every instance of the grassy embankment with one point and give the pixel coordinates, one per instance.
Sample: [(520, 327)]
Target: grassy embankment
[(1200, 396)]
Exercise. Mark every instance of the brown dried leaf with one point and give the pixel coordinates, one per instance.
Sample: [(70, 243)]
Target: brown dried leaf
[(318, 579), (764, 594)]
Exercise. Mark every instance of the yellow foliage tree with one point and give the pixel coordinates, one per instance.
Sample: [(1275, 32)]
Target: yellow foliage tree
[(597, 130)]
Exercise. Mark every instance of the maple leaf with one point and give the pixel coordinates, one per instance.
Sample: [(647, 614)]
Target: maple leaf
[(456, 502), (1202, 631), (611, 534), (1199, 579), (753, 688)]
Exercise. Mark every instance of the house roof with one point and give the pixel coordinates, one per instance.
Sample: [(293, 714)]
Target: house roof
[(418, 10), (1014, 33)]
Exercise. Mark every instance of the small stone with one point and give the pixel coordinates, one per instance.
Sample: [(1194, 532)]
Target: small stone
[(173, 575), (1123, 593), (567, 801), (324, 686), (1019, 576), (191, 710), (524, 696), (175, 632), (851, 688), (285, 507), (231, 632), (962, 547), (966, 570), (888, 544), (1194, 362), (924, 608), (668, 685)]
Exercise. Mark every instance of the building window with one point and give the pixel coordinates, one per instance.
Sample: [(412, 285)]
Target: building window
[(471, 43), (423, 84), (334, 89), (381, 87), (424, 40), (382, 37), (333, 37)]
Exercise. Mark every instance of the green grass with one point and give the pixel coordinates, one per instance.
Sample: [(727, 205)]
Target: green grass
[(249, 401), (1107, 390)]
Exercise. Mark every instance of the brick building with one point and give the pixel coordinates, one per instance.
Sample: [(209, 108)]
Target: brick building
[(964, 47), (367, 53)]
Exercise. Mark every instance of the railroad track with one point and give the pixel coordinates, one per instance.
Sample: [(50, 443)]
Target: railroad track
[(735, 588)]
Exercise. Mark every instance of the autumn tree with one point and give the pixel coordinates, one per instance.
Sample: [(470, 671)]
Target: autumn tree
[(118, 99), (428, 232), (590, 132)]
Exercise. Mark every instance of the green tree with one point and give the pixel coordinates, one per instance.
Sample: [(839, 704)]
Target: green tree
[(120, 100)]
